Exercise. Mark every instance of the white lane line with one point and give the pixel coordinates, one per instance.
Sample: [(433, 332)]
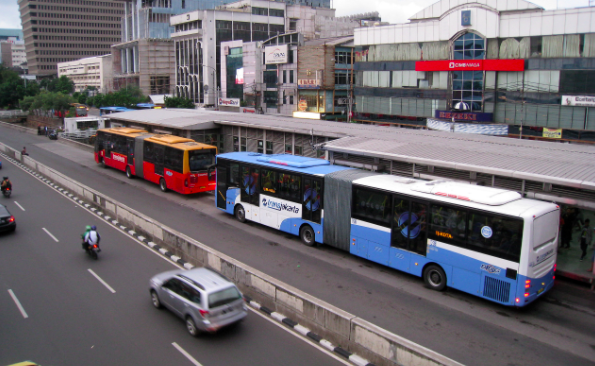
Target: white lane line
[(16, 301), (21, 207), (182, 351), (50, 234), (102, 281)]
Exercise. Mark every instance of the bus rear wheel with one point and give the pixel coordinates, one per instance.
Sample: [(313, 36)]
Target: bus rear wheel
[(129, 173), (434, 277), (163, 185), (240, 214), (307, 235)]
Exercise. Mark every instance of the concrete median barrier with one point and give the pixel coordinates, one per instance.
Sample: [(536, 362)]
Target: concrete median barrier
[(356, 335)]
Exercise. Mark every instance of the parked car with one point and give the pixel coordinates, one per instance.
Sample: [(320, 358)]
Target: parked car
[(204, 298), (7, 221)]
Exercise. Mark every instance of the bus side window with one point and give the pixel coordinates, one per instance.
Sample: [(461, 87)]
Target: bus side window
[(148, 152), (174, 159), (448, 225), (234, 174), (289, 187), (268, 181)]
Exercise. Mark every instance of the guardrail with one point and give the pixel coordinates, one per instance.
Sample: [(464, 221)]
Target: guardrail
[(357, 335)]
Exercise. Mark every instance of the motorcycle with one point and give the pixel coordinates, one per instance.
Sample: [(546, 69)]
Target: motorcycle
[(92, 250), (6, 192)]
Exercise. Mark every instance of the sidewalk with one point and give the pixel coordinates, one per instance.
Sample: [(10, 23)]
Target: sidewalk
[(569, 264)]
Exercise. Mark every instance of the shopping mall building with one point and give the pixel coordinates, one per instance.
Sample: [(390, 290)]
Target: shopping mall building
[(520, 69)]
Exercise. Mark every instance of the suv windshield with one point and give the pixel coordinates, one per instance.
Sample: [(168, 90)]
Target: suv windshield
[(201, 159), (223, 297)]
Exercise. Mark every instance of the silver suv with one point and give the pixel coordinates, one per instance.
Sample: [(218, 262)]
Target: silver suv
[(205, 299)]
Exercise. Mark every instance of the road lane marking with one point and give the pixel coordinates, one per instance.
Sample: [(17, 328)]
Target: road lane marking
[(16, 301), (50, 234), (102, 281), (21, 207), (182, 351)]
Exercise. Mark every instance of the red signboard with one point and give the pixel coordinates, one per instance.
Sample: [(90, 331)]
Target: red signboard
[(471, 65)]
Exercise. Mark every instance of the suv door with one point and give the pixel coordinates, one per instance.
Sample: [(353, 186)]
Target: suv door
[(173, 299)]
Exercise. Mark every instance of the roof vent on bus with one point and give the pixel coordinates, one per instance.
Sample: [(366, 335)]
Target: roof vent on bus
[(468, 192), (254, 154)]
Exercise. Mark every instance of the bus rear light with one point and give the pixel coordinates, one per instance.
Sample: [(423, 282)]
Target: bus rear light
[(526, 294), (517, 300), (193, 179), (555, 265)]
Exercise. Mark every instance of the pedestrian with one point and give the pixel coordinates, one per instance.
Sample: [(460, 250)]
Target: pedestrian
[(586, 238), (46, 130), (24, 151)]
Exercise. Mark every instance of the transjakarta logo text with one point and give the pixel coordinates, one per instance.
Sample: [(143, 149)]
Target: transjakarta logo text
[(119, 158), (278, 206)]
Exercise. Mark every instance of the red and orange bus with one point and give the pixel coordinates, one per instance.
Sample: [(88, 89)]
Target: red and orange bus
[(177, 163)]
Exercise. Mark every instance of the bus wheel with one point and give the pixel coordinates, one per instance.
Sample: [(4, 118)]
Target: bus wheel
[(434, 277), (103, 164), (163, 185), (307, 235), (240, 213), (129, 173)]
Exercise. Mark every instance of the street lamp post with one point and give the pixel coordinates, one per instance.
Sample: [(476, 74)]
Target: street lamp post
[(214, 87)]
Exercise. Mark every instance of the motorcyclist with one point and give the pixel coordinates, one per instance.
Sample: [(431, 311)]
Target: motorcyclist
[(84, 235), (92, 237), (6, 184)]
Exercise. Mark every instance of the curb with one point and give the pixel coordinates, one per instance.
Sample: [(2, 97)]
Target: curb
[(305, 332), (355, 359)]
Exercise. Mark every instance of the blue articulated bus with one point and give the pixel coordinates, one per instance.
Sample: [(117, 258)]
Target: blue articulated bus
[(485, 241)]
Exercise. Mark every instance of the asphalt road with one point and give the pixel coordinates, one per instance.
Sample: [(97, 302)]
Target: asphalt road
[(557, 330), (60, 307)]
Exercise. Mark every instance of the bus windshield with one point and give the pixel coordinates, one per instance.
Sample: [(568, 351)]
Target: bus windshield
[(201, 159)]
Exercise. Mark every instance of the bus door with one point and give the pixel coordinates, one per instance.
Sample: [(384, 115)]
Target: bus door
[(159, 151), (130, 150), (312, 200), (222, 185), (409, 231), (250, 190)]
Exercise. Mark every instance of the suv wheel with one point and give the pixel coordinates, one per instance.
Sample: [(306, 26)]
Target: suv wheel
[(155, 300), (191, 326)]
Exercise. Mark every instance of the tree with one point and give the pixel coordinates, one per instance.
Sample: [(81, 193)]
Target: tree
[(128, 97), (178, 102), (13, 88), (46, 103)]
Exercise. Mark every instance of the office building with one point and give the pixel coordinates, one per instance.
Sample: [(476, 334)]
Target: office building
[(520, 70), (89, 72), (67, 30)]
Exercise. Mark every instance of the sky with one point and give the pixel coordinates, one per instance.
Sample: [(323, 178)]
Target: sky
[(392, 11)]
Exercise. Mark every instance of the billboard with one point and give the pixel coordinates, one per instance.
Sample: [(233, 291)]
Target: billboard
[(229, 102), (276, 54), (578, 101), (470, 65)]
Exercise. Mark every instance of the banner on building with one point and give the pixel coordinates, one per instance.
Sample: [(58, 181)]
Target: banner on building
[(552, 133), (276, 54), (476, 128), (229, 102), (470, 65), (465, 116), (308, 84), (578, 101)]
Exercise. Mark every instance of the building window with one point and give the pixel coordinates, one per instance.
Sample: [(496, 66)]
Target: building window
[(243, 145), (467, 86), (269, 147), (291, 76), (260, 146)]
